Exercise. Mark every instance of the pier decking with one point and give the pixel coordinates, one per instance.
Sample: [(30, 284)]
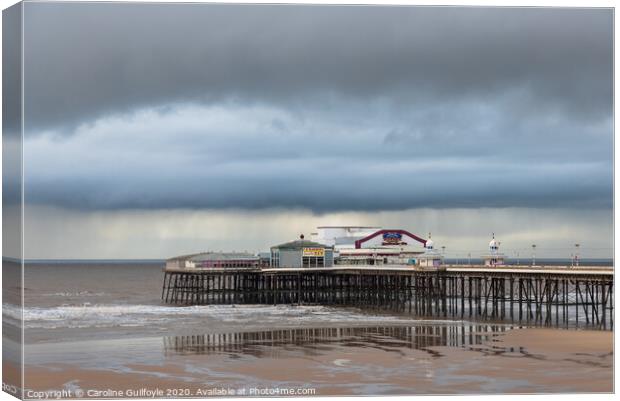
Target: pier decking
[(547, 295)]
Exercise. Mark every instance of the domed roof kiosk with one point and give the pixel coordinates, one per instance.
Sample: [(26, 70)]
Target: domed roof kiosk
[(494, 257), (430, 258)]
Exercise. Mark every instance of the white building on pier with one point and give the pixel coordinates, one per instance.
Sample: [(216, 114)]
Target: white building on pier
[(494, 257)]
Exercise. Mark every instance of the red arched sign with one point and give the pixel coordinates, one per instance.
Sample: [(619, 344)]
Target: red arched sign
[(359, 242)]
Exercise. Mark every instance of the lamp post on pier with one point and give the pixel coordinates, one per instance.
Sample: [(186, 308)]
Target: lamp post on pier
[(576, 255), (533, 254), (517, 257)]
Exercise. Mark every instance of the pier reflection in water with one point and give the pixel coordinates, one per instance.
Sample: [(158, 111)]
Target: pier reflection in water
[(315, 340)]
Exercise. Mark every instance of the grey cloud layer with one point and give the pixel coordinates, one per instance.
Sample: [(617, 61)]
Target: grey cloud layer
[(326, 108), (87, 60), (258, 157)]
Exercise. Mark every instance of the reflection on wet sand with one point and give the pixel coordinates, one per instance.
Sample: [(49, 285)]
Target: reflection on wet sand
[(418, 359), (433, 358), (312, 340)]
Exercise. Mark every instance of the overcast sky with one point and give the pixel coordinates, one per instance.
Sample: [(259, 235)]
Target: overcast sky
[(306, 112)]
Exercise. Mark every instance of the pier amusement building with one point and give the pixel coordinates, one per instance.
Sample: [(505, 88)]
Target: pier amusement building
[(357, 245), (342, 246), (330, 245), (215, 260), (302, 253)]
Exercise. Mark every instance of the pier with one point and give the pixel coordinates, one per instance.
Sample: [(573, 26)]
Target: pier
[(547, 296)]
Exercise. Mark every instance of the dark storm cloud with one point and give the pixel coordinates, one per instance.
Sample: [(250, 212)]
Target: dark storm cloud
[(328, 108), (261, 157), (318, 191), (87, 60)]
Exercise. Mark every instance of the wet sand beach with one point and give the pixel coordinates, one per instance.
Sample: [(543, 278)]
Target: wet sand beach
[(530, 360)]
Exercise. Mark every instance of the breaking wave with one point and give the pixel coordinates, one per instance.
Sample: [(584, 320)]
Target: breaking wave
[(110, 315)]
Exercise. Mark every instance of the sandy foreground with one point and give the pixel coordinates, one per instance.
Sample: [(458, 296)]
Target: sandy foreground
[(536, 360)]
